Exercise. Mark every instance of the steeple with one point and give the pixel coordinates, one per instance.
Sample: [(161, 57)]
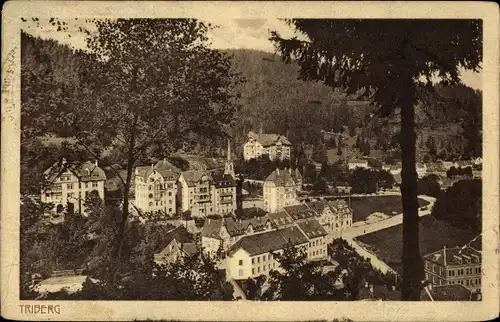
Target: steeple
[(228, 150), (229, 167)]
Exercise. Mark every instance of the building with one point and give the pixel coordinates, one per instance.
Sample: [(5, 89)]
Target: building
[(353, 164), (207, 193), (174, 246), (317, 247), (218, 235), (396, 168), (251, 255), (458, 265), (280, 189), (276, 146), (421, 169), (451, 292), (155, 188), (70, 183)]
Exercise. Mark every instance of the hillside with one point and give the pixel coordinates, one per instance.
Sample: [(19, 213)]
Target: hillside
[(272, 99)]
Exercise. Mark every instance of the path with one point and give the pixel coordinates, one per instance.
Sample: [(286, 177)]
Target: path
[(368, 228)]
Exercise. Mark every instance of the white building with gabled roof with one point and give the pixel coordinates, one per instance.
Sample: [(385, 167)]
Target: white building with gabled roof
[(70, 183), (276, 146)]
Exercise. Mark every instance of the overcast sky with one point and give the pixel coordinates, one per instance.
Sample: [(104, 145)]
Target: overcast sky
[(232, 34)]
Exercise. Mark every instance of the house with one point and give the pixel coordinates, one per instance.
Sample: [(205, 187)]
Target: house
[(421, 169), (70, 183), (395, 168), (155, 187), (448, 164), (300, 212), (218, 235), (317, 247), (464, 163), (341, 216), (280, 189), (174, 246), (276, 146), (372, 292), (206, 193), (353, 164), (451, 292), (457, 265), (251, 255)]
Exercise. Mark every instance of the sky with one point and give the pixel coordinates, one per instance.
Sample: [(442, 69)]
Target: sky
[(230, 34)]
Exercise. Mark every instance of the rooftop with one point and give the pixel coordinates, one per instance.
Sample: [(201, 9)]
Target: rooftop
[(269, 241), (455, 256), (453, 292), (268, 139), (312, 228), (299, 212), (283, 177)]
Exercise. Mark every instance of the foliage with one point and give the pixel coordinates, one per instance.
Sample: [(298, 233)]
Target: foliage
[(429, 186), (394, 72), (299, 279), (356, 270), (453, 172), (461, 205), (260, 168)]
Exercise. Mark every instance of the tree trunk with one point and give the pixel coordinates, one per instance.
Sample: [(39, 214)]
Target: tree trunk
[(126, 190), (411, 260)]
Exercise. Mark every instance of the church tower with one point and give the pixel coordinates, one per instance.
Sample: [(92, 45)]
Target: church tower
[(229, 168)]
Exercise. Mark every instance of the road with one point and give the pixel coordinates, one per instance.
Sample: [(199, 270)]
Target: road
[(367, 228)]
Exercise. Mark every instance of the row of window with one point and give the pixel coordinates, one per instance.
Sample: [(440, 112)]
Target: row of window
[(317, 252), (265, 268), (461, 271), (317, 242), (258, 258), (471, 282)]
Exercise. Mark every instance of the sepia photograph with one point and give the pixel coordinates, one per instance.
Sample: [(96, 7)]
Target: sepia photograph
[(251, 159)]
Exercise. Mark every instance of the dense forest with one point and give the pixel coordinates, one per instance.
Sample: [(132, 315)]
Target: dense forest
[(274, 100)]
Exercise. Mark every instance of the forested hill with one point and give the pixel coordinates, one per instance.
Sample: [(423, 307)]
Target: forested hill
[(273, 97)]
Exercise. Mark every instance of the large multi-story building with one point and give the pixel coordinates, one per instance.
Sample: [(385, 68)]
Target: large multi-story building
[(276, 146), (206, 193), (252, 256), (280, 189), (155, 187), (70, 183), (457, 265)]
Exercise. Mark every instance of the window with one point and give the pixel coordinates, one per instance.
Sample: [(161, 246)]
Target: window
[(269, 257), (169, 209), (258, 259), (86, 184), (240, 262), (170, 193), (94, 184), (253, 260), (258, 269), (240, 272)]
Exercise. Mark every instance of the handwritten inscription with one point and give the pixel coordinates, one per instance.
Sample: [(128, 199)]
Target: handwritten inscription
[(40, 309), (7, 75)]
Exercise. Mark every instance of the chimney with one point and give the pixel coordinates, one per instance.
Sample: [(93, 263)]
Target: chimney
[(261, 129), (209, 221), (96, 163), (277, 170)]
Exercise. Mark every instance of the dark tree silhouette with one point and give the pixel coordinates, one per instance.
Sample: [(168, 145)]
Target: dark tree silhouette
[(390, 62)]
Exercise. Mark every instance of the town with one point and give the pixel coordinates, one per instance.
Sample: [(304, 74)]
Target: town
[(156, 165), (242, 232)]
